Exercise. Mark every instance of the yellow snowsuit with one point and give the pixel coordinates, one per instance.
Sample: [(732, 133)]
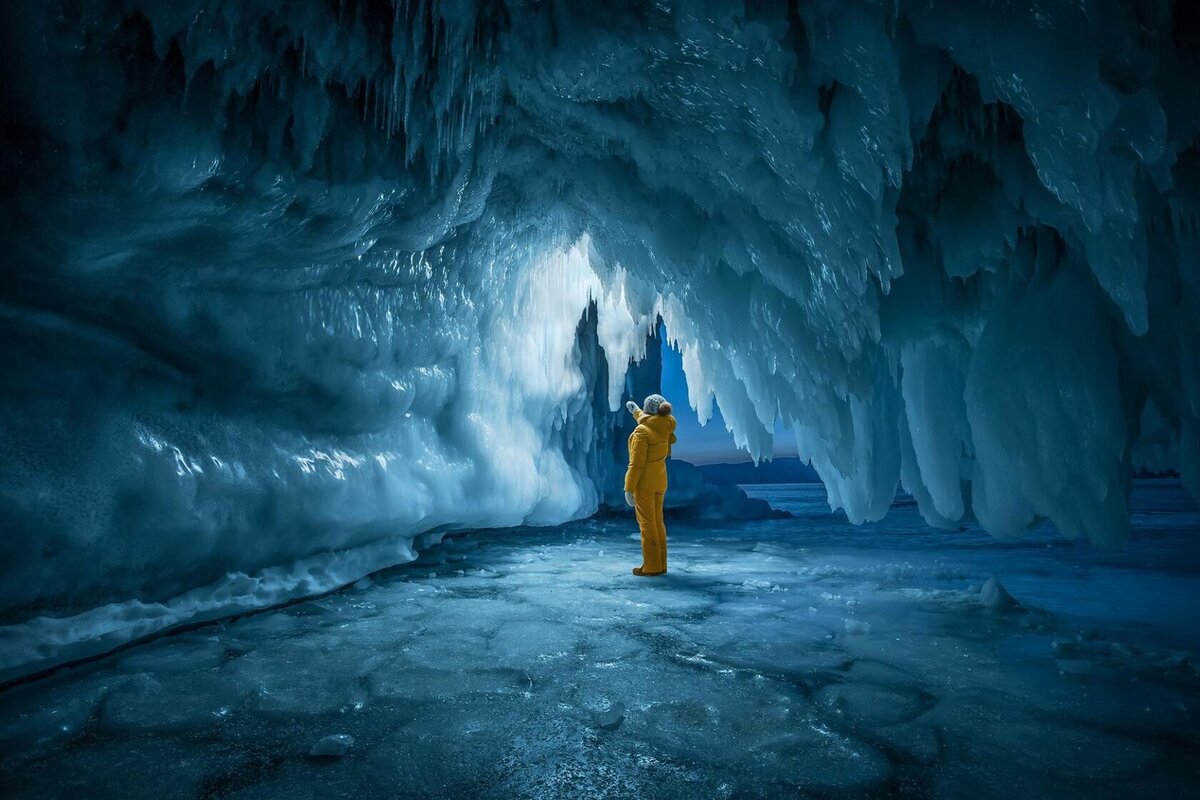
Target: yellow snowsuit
[(649, 447)]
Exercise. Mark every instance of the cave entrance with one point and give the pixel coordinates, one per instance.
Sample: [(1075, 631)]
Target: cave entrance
[(703, 442)]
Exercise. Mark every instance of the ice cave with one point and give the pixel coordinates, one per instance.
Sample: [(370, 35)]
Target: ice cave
[(320, 320)]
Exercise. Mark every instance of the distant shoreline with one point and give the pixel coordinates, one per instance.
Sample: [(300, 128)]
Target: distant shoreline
[(793, 470)]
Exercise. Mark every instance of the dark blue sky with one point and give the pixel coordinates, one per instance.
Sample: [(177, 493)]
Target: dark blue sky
[(711, 443)]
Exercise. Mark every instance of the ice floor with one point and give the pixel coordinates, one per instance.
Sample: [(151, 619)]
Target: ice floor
[(799, 657)]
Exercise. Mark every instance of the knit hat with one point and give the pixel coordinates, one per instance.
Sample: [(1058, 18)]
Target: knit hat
[(656, 404)]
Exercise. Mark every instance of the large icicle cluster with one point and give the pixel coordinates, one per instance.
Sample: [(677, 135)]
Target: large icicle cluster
[(286, 280)]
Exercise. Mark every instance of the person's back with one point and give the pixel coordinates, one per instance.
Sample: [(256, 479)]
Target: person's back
[(646, 478), (655, 434)]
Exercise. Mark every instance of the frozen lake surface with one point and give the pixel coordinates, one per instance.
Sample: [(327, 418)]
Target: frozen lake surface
[(794, 657)]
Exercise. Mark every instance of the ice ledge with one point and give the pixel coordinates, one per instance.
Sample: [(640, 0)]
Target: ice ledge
[(44, 643)]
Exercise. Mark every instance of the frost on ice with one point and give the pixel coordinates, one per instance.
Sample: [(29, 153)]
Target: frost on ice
[(288, 283)]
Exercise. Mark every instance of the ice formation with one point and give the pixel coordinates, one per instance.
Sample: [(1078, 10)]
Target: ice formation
[(290, 281)]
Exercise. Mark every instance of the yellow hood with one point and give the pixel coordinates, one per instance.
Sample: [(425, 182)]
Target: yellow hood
[(659, 429)]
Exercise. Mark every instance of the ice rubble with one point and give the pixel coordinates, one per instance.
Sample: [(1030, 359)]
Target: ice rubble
[(283, 283)]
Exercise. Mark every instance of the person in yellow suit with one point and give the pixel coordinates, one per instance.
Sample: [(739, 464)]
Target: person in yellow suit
[(646, 478)]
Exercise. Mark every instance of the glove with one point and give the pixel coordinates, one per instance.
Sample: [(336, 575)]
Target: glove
[(633, 407), (629, 499)]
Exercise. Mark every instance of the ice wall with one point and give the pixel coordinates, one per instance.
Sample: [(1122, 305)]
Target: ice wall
[(286, 280)]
